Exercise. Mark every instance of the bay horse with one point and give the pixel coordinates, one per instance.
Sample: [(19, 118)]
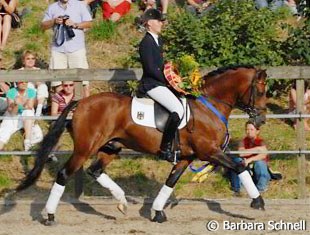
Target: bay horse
[(104, 118)]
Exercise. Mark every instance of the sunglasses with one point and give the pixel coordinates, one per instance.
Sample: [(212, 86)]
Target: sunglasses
[(68, 85)]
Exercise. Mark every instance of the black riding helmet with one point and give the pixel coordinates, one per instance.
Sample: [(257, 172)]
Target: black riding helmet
[(151, 14)]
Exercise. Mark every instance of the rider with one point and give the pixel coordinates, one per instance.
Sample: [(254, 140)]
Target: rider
[(153, 81)]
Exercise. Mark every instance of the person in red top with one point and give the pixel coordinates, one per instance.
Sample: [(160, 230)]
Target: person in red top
[(113, 10), (60, 100), (252, 142)]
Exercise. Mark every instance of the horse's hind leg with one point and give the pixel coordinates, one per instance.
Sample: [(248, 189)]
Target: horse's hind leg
[(72, 165), (166, 190), (96, 171)]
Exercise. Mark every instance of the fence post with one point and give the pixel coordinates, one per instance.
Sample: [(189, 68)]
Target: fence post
[(300, 89)]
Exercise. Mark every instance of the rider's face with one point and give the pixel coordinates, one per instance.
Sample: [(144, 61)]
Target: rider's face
[(155, 26)]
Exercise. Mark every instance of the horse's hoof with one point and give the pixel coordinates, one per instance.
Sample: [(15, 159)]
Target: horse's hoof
[(159, 217), (258, 203), (48, 222), (122, 208)]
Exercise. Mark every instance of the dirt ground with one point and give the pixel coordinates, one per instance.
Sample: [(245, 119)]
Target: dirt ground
[(100, 216)]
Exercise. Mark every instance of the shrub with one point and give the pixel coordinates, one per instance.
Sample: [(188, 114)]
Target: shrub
[(233, 32), (296, 49)]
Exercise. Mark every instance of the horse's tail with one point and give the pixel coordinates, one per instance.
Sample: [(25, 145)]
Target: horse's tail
[(46, 146)]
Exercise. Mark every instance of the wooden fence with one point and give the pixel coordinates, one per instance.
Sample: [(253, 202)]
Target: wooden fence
[(299, 73)]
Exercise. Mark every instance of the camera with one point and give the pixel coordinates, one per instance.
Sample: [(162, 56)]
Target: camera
[(69, 29)]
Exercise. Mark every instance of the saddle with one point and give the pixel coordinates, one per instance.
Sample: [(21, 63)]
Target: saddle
[(147, 112)]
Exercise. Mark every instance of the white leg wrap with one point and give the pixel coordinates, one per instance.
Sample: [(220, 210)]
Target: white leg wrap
[(105, 181), (248, 184), (54, 197), (162, 198)]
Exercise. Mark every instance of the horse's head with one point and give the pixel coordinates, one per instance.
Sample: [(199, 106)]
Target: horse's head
[(253, 99)]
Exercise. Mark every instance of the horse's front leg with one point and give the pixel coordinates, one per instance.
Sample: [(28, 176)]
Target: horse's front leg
[(221, 158), (167, 189)]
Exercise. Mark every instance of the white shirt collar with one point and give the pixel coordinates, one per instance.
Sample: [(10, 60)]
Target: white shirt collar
[(155, 36)]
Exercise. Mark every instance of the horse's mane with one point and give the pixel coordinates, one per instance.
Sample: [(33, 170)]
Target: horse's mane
[(224, 69)]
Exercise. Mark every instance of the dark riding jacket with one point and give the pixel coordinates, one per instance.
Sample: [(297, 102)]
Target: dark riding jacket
[(151, 56)]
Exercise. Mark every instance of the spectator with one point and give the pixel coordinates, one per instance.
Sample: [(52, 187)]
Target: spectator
[(113, 10), (198, 7), (29, 61), (4, 87), (275, 4), (20, 103), (161, 5), (69, 19), (293, 103), (252, 142), (60, 101), (7, 7)]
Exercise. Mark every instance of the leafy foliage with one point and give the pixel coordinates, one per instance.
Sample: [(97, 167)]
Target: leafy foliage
[(298, 45), (233, 32)]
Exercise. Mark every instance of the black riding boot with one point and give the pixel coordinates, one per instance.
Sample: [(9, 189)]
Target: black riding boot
[(168, 136)]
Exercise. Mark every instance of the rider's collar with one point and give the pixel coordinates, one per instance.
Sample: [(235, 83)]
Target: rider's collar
[(155, 36)]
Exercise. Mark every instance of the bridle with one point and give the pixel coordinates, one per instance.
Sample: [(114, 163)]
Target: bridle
[(250, 108)]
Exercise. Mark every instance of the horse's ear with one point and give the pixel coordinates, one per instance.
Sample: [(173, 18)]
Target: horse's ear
[(261, 74)]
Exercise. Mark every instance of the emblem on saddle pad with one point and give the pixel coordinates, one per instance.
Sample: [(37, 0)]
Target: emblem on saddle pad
[(140, 115)]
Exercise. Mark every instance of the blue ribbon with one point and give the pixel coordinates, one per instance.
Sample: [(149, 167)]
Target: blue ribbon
[(197, 170), (214, 110), (223, 119)]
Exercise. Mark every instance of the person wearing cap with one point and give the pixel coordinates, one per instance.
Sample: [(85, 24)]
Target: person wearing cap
[(153, 82), (258, 161)]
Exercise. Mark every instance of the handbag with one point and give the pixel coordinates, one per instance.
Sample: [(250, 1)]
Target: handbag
[(16, 20)]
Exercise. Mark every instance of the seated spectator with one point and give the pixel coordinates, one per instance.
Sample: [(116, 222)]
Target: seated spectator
[(198, 7), (29, 61), (293, 103), (113, 10), (161, 5), (4, 87), (7, 7), (252, 142), (60, 100), (21, 103), (275, 4)]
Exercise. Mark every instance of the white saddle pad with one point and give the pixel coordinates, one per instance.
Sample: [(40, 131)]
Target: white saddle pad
[(142, 112)]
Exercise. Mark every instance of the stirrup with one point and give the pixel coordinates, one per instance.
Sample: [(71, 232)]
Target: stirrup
[(170, 156)]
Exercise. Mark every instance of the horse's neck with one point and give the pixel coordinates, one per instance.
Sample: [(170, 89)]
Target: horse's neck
[(221, 96)]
